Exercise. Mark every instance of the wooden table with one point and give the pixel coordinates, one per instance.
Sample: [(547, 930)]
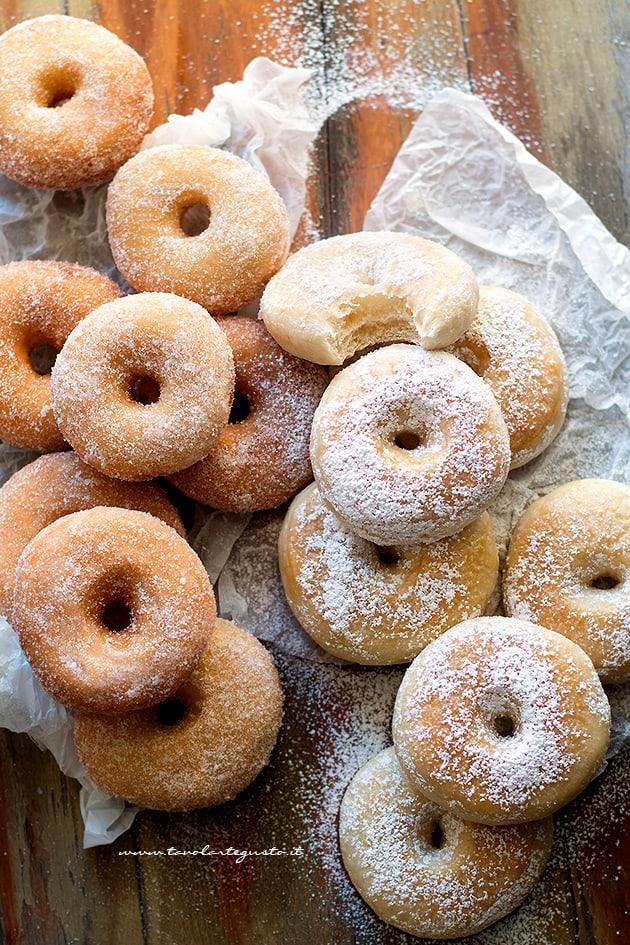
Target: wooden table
[(557, 72)]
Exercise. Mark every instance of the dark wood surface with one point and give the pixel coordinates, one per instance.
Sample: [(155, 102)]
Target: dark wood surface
[(558, 73)]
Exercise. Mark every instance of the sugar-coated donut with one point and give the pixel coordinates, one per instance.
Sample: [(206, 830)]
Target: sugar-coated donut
[(408, 445), (514, 349), (227, 264), (75, 102), (378, 605), (568, 568), (201, 747), (41, 302), (501, 721), (113, 609), (143, 386), (341, 295), (55, 485), (261, 458), (425, 871)]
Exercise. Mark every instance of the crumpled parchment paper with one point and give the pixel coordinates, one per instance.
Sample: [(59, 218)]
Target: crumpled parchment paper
[(263, 119)]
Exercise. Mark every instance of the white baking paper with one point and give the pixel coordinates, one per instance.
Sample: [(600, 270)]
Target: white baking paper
[(263, 119)]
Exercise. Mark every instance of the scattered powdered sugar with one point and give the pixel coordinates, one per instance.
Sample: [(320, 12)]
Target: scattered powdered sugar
[(397, 495)]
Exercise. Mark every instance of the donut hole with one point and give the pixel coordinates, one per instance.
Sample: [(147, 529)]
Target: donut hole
[(116, 615), (59, 87), (476, 356), (195, 219), (42, 358), (241, 407), (503, 725), (605, 582), (387, 556), (171, 711), (145, 390), (409, 440), (437, 838)]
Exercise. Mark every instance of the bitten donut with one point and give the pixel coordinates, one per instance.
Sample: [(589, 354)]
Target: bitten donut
[(143, 386), (344, 294), (75, 102), (425, 871), (516, 352), (55, 485), (113, 609), (568, 568), (408, 446), (261, 458), (201, 747), (223, 265), (379, 605), (500, 721), (41, 302)]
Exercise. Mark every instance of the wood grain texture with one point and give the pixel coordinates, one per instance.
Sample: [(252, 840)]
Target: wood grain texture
[(557, 72)]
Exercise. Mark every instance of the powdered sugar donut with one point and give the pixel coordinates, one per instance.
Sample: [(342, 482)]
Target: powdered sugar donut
[(425, 871), (143, 386), (568, 568), (262, 457), (205, 744), (344, 294), (75, 102), (374, 605), (41, 303), (408, 446), (113, 609), (223, 265), (516, 352), (59, 484), (501, 721)]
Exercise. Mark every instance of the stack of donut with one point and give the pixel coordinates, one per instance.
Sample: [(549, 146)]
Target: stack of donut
[(389, 556)]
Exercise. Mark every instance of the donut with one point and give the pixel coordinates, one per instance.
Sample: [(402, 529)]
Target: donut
[(424, 870), (75, 102), (143, 386), (501, 721), (344, 294), (203, 745), (41, 303), (261, 458), (112, 608), (408, 446), (378, 605), (160, 243), (58, 484), (514, 349), (568, 568)]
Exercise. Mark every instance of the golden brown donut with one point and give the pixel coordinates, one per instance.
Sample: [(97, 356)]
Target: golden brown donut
[(143, 386), (376, 605), (568, 568), (75, 102), (425, 871), (56, 485), (113, 609), (201, 747), (408, 446), (514, 349), (262, 457), (41, 303), (501, 721), (342, 295), (223, 267)]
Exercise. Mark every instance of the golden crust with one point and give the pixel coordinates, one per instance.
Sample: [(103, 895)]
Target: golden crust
[(231, 711), (380, 606), (224, 267), (113, 609), (41, 303), (56, 485), (262, 460), (75, 102)]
